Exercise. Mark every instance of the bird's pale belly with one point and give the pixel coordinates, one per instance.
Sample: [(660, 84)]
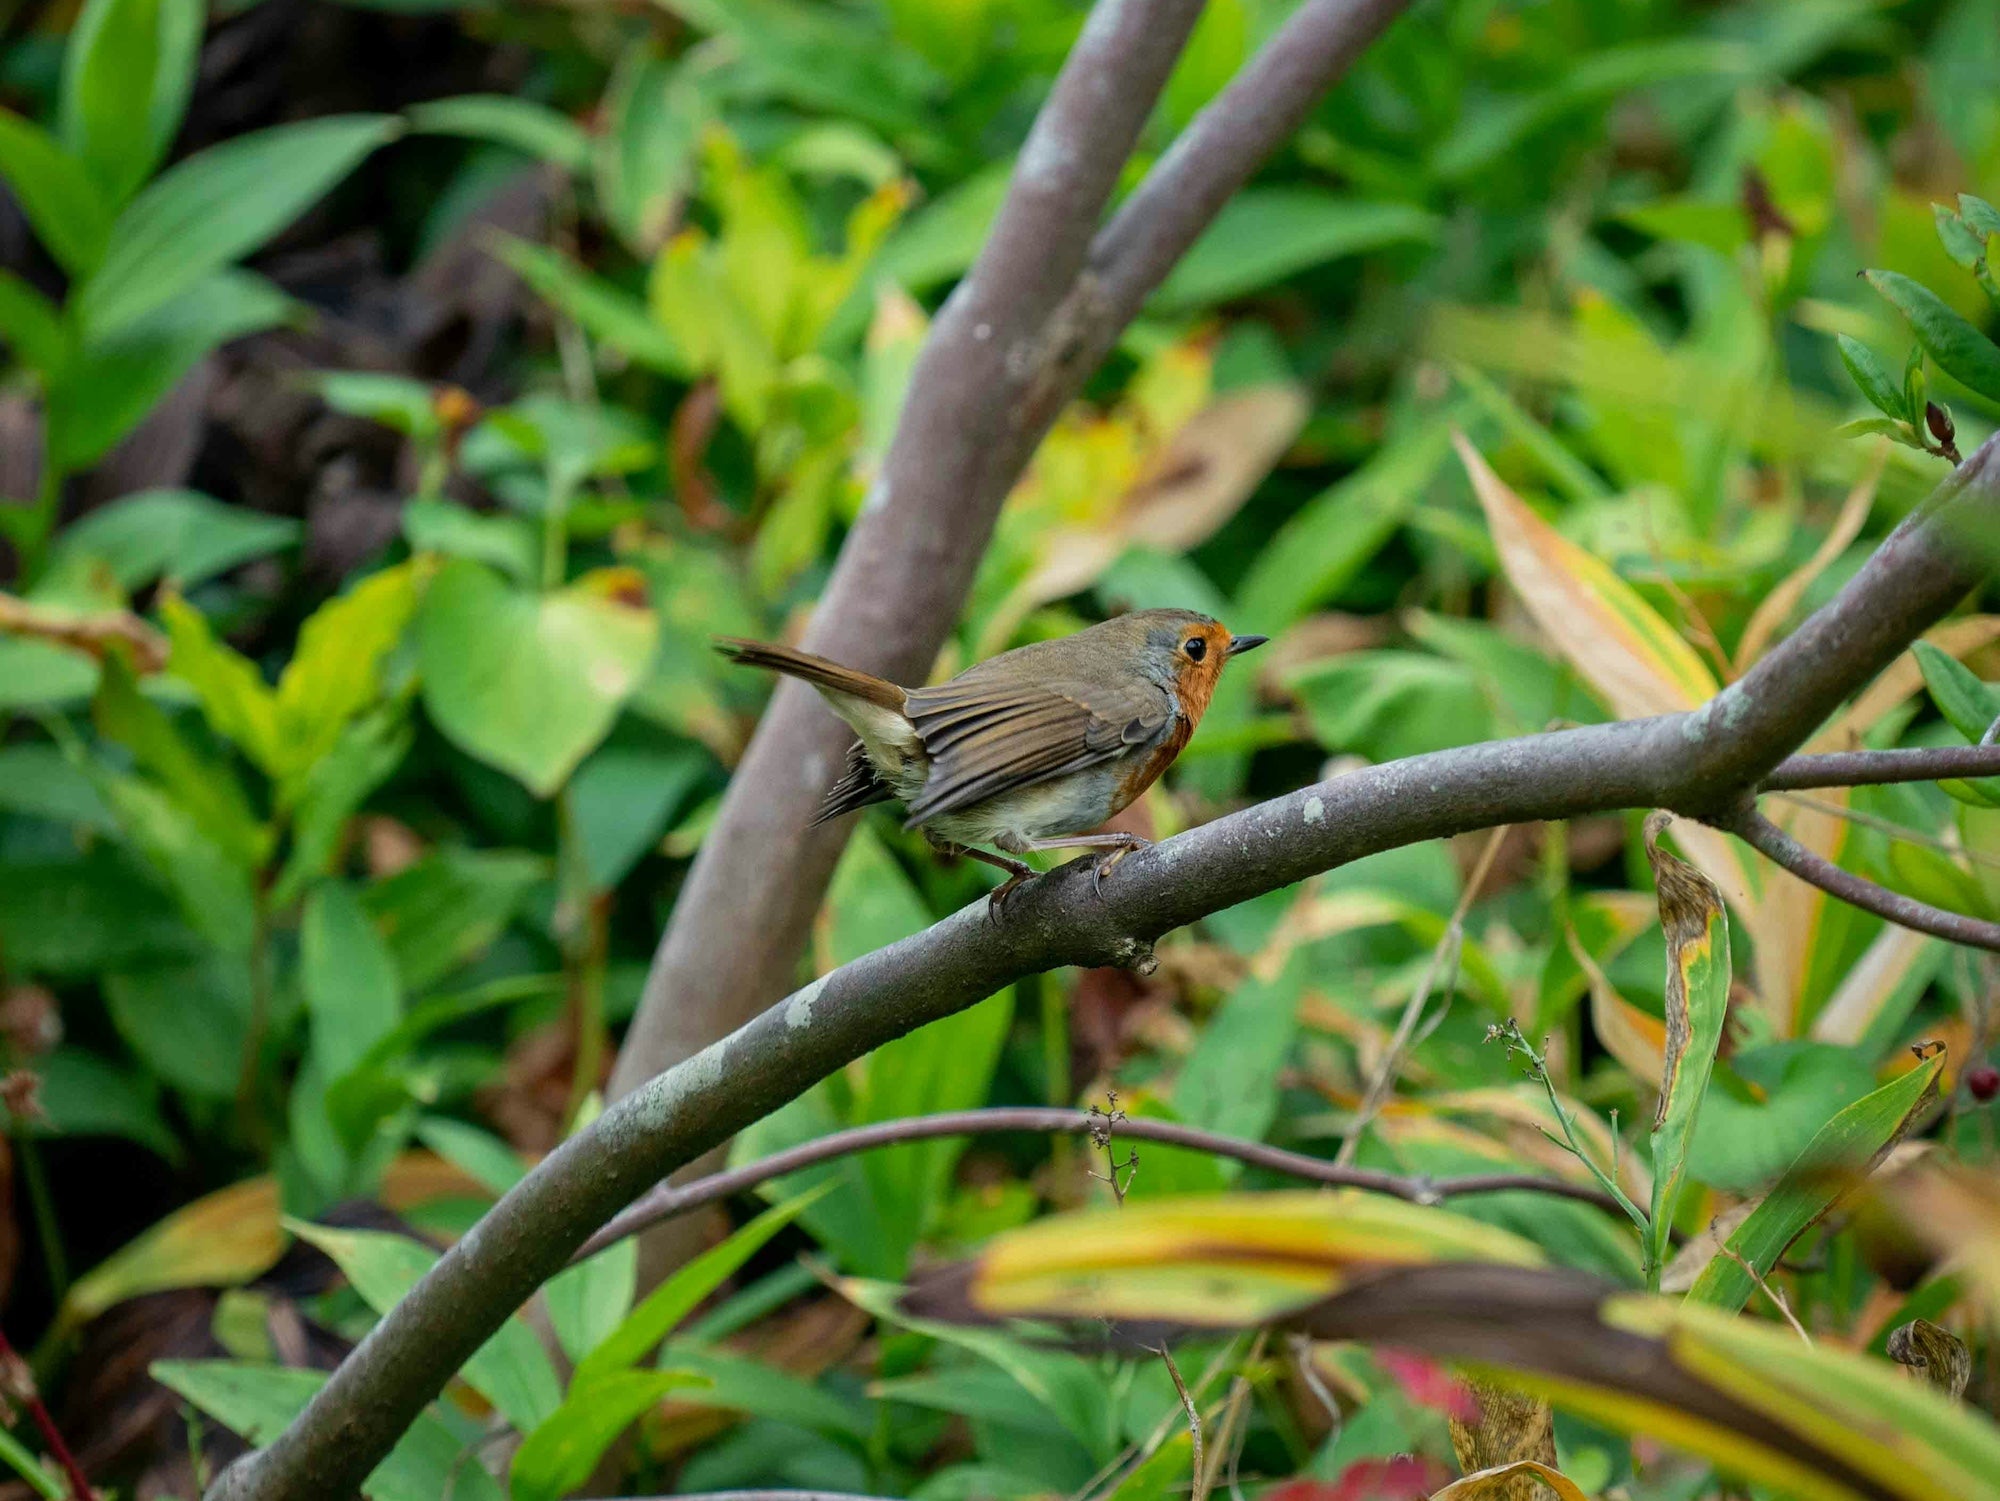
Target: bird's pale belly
[(1073, 804)]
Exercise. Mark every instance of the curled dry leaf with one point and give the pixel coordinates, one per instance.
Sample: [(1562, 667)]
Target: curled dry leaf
[(94, 632), (1934, 1353), (1509, 1441)]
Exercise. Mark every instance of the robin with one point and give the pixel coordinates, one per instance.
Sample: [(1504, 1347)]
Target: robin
[(1026, 750)]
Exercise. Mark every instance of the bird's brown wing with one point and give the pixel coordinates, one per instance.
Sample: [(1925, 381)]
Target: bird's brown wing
[(986, 738)]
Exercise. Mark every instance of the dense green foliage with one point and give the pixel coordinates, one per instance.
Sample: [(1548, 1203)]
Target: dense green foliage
[(321, 891)]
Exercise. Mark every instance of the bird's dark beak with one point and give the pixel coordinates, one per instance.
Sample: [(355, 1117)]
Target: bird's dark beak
[(1240, 644)]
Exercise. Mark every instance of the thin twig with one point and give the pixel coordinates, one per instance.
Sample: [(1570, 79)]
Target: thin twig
[(1510, 1033), (1765, 837), (18, 1385), (1891, 828), (1444, 957), (1777, 1298), (671, 1200)]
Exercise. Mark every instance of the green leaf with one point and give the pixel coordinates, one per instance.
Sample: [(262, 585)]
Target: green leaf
[(1843, 1151), (558, 1457), (1264, 235), (260, 1401), (54, 190), (621, 799), (1959, 349), (1970, 706), (1961, 241), (336, 671), (510, 1370), (677, 1297), (31, 327), (529, 683), (400, 402), (352, 993), (326, 797), (1873, 377), (238, 704), (204, 787), (444, 910), (645, 160), (587, 1302), (604, 311), (81, 915), (1697, 1004), (188, 1022), (39, 781), (484, 1157), (43, 675), (215, 208), (528, 127), (180, 536), (85, 1095), (1982, 216), (110, 384), (127, 74), (504, 542)]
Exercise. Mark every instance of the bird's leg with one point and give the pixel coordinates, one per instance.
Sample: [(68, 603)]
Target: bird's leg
[(1017, 872), (1117, 844)]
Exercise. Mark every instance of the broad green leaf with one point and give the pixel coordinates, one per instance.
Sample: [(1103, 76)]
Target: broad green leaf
[(1264, 235), (1697, 1004), (204, 787), (188, 1022), (1222, 1260), (677, 1297), (1960, 349), (507, 543), (444, 910), (559, 1456), (743, 1384), (127, 74), (368, 751), (1873, 377), (621, 799), (352, 994), (79, 915), (238, 704), (180, 536), (214, 885), (84, 1095), (223, 1239), (1842, 1152), (260, 1401), (31, 327), (510, 1370), (587, 1302), (216, 207), (531, 128), (39, 781), (645, 158), (530, 683), (110, 384), (42, 675), (604, 311), (336, 670), (54, 190)]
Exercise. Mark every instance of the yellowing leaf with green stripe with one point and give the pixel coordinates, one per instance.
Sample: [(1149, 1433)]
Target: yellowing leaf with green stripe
[(1636, 661), (1221, 1259), (1697, 935)]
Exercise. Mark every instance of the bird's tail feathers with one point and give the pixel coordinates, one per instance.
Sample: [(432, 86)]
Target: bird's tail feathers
[(818, 671)]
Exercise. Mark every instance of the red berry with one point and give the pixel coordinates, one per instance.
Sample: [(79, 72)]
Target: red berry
[(1983, 1080)]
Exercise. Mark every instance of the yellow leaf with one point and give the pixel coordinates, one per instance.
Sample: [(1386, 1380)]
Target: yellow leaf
[(238, 704), (222, 1240), (1221, 1259), (1637, 663)]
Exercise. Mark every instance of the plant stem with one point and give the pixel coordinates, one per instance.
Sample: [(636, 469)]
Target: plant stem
[(248, 1114), (47, 1231), (24, 1388)]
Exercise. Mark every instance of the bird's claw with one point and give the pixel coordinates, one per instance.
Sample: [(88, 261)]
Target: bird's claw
[(996, 899), (1109, 861)]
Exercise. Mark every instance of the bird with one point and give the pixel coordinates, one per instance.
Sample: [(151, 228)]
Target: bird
[(1028, 750)]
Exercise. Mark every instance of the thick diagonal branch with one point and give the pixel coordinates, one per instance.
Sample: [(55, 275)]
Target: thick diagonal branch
[(1701, 764)]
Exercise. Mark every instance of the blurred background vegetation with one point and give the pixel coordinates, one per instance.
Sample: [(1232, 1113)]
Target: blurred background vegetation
[(397, 396)]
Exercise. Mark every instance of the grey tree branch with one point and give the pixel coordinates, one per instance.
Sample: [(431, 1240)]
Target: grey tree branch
[(1869, 768), (1700, 764), (1010, 348), (1772, 842), (671, 1199)]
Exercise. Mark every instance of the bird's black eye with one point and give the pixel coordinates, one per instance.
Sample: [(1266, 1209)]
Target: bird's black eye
[(1195, 647)]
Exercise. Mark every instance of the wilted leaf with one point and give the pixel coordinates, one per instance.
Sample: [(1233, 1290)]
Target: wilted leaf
[(1522, 1479), (1936, 1354), (1508, 1439), (1697, 1004)]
